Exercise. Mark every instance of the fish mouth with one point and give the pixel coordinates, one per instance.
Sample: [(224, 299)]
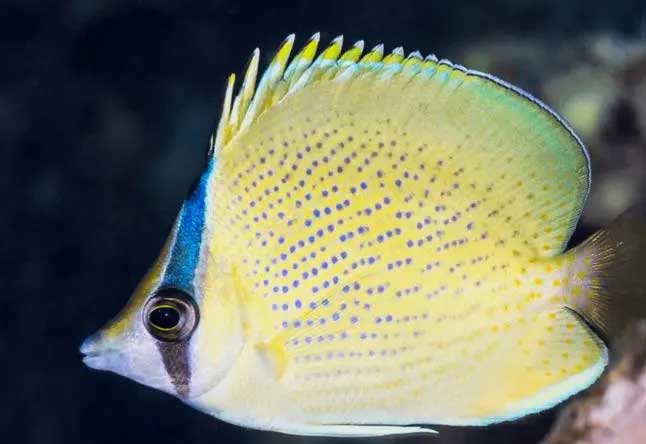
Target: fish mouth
[(94, 353), (93, 360)]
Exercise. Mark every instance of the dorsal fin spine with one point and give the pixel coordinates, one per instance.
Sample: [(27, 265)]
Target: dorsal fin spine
[(444, 69), (326, 59), (374, 56), (389, 71), (332, 52), (282, 77), (268, 80), (234, 118), (412, 65), (302, 60), (396, 56), (278, 92), (301, 82), (351, 55), (348, 73), (220, 136), (249, 83)]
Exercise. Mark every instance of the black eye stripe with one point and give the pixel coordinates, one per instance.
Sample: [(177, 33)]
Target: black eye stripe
[(175, 356), (170, 316)]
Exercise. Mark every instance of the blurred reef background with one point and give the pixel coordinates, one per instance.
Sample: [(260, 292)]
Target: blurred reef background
[(105, 112)]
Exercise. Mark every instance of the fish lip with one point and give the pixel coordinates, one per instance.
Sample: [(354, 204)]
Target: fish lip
[(91, 358), (100, 359), (92, 361), (90, 355), (94, 352)]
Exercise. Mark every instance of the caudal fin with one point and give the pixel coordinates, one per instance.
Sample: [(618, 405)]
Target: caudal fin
[(607, 284)]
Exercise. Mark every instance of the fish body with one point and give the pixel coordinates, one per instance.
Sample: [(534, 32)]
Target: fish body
[(376, 242)]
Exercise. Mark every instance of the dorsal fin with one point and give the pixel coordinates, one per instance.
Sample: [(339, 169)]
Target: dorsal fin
[(433, 90), (281, 79)]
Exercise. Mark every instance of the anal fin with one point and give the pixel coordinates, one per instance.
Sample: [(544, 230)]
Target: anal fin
[(558, 356)]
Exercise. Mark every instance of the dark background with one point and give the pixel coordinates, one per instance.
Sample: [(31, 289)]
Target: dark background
[(105, 112)]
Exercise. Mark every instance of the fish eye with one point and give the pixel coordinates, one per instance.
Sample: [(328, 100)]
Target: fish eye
[(164, 317), (170, 315)]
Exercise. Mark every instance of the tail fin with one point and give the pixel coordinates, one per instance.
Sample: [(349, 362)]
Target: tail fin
[(607, 284)]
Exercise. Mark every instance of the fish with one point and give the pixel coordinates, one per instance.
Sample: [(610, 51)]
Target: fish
[(378, 243)]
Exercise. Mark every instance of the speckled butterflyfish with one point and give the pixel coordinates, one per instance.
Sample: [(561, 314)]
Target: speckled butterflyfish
[(377, 242)]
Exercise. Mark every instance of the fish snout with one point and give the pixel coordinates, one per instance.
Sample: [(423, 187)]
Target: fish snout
[(88, 346), (96, 351)]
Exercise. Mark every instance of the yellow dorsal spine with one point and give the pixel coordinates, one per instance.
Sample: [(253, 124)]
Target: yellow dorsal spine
[(269, 79), (249, 83), (223, 127), (283, 78), (396, 56), (351, 55), (303, 60)]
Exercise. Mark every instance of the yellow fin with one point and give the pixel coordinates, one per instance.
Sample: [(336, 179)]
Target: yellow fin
[(352, 54), (521, 372), (557, 357), (302, 60), (396, 56), (249, 83), (223, 130), (522, 150), (374, 56), (268, 81)]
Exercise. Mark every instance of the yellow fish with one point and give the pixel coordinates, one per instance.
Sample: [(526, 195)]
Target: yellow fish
[(377, 242)]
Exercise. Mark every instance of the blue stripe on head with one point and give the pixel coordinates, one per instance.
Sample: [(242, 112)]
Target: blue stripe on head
[(185, 251)]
